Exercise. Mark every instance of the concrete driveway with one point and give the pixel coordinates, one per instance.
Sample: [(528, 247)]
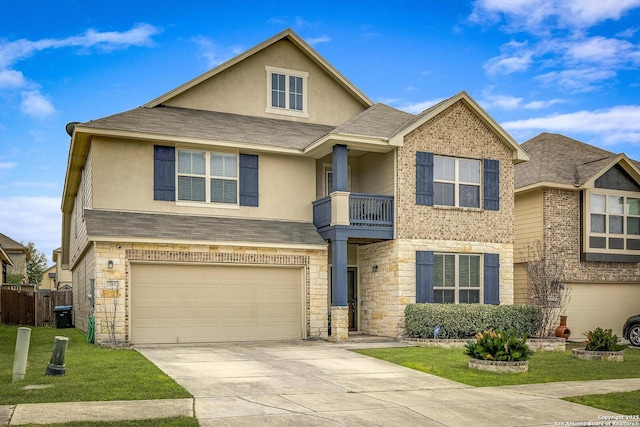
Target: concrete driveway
[(316, 383)]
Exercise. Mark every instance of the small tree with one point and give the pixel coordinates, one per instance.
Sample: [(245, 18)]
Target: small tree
[(36, 265), (545, 273)]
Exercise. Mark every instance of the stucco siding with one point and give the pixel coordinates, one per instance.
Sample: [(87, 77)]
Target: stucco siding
[(123, 180), (242, 88)]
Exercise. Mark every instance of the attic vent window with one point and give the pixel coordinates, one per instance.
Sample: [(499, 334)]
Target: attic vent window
[(286, 92)]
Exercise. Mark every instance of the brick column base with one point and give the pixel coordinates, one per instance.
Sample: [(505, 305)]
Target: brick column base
[(339, 323)]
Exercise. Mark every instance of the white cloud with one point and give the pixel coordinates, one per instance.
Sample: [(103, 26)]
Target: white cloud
[(39, 221), (538, 105), (602, 51), (11, 79), (577, 80), (317, 40), (7, 165), (35, 104), (418, 107), (214, 53), (539, 16), (515, 57), (611, 126), (505, 102)]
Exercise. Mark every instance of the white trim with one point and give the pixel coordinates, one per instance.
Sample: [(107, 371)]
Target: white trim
[(457, 288), (287, 110), (207, 179)]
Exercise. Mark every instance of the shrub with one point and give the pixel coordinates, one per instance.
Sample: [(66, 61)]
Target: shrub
[(466, 320), (498, 346), (602, 340)]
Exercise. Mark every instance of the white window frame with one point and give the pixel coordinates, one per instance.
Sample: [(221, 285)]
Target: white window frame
[(207, 179), (457, 288), (607, 235), (305, 93), (457, 182)]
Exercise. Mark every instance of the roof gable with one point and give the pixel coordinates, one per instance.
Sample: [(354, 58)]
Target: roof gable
[(519, 155), (240, 84), (557, 160), (11, 245)]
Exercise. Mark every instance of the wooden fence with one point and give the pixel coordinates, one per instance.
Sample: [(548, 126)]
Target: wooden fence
[(35, 308)]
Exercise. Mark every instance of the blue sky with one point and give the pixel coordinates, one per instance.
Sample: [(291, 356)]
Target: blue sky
[(561, 66)]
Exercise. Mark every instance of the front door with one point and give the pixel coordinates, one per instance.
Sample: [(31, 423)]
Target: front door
[(352, 298)]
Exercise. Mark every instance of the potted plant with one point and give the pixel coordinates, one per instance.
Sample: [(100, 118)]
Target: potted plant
[(601, 344), (499, 351)]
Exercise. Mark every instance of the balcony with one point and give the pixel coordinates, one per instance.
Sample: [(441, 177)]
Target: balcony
[(354, 215)]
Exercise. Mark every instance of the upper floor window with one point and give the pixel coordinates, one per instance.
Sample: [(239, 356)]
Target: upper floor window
[(614, 221), (286, 92), (456, 182), (453, 181), (207, 177)]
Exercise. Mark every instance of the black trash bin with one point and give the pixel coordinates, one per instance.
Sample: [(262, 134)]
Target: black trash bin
[(63, 316)]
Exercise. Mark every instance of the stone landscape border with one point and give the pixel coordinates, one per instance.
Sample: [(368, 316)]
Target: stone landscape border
[(535, 344)]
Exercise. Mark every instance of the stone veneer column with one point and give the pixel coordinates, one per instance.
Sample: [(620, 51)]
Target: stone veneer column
[(339, 323)]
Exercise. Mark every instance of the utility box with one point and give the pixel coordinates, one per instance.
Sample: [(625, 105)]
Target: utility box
[(63, 316)]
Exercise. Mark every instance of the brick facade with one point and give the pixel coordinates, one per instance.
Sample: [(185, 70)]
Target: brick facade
[(562, 227)]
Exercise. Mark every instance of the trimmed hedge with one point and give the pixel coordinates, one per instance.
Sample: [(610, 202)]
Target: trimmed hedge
[(466, 320)]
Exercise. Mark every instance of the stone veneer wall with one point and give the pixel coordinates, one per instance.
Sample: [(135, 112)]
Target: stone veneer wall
[(386, 292), (83, 272), (113, 302), (562, 233), (455, 132)]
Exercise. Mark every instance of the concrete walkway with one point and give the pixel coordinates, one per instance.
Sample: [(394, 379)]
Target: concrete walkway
[(315, 383)]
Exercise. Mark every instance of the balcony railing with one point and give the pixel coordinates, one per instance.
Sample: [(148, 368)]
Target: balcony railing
[(365, 210)]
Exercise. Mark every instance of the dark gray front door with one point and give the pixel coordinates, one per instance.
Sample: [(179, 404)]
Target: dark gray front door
[(352, 298)]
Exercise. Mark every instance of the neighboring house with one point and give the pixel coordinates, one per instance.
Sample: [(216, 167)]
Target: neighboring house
[(48, 279), (63, 275), (19, 255), (584, 203), (6, 262), (269, 192)]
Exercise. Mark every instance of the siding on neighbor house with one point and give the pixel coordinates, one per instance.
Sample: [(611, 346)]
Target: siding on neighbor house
[(520, 291), (528, 222), (82, 274)]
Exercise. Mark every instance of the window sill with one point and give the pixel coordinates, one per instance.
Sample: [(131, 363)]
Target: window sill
[(287, 112), (457, 208), (208, 205)]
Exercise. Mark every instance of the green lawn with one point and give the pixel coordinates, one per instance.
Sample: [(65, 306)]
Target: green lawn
[(159, 422), (92, 373), (620, 403), (543, 367)]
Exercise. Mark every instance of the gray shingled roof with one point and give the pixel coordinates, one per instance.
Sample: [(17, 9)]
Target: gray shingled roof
[(11, 245), (561, 160), (212, 125), (379, 120), (182, 227)]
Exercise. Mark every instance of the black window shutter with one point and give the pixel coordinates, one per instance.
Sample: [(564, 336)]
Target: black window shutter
[(424, 178), (491, 184), (248, 180), (164, 173), (424, 276), (492, 279)]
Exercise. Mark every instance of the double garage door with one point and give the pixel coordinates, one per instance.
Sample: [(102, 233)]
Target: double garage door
[(213, 303), (605, 305)]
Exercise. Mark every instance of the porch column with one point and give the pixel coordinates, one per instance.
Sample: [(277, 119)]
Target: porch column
[(339, 304), (340, 168)]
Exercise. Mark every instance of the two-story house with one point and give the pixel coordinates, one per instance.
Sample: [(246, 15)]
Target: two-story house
[(583, 203), (270, 197)]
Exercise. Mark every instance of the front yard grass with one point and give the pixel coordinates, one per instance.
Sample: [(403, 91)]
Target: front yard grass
[(626, 403), (92, 373), (544, 366)]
